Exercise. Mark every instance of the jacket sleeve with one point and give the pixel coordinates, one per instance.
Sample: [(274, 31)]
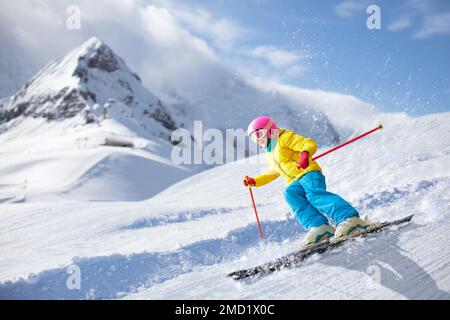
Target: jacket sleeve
[(298, 143), (265, 178)]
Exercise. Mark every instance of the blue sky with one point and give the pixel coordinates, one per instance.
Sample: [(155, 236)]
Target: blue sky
[(404, 66)]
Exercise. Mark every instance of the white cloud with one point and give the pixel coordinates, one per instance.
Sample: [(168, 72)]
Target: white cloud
[(348, 8), (223, 33), (289, 63), (296, 70), (277, 57), (424, 17), (434, 24), (400, 24), (226, 33), (284, 63), (420, 5)]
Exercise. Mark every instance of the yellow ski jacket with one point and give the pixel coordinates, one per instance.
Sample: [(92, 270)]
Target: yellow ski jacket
[(284, 156)]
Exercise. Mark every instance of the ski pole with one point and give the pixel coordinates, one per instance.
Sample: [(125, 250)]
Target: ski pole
[(348, 142), (256, 212)]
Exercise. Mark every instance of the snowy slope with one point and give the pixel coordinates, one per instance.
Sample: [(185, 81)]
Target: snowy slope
[(181, 243), (60, 162), (53, 130)]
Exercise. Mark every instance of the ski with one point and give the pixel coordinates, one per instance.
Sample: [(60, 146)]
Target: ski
[(296, 257)]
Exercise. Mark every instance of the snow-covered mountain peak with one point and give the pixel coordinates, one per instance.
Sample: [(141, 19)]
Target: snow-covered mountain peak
[(92, 61), (95, 54), (91, 46), (93, 82), (73, 68)]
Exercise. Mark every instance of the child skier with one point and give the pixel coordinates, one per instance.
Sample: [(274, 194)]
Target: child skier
[(289, 155)]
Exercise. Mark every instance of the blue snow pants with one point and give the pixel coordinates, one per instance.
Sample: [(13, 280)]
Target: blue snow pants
[(308, 197)]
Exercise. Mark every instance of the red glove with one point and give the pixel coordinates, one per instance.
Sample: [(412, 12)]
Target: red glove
[(303, 161), (249, 181)]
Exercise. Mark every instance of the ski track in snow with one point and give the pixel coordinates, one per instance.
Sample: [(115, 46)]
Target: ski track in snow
[(115, 276), (110, 275), (179, 217), (372, 201)]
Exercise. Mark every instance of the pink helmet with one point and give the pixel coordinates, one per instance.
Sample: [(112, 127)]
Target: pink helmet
[(262, 123)]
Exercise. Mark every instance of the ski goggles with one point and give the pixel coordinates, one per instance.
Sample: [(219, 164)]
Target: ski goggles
[(258, 135)]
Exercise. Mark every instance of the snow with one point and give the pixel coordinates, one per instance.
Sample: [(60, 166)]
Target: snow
[(81, 210), (133, 225), (59, 161)]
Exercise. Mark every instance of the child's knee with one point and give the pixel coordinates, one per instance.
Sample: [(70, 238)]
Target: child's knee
[(292, 192)]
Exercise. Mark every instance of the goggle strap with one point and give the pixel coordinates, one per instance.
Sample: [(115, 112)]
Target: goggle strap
[(268, 125)]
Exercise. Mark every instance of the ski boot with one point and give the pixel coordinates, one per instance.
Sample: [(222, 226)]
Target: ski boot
[(318, 234), (351, 226)]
